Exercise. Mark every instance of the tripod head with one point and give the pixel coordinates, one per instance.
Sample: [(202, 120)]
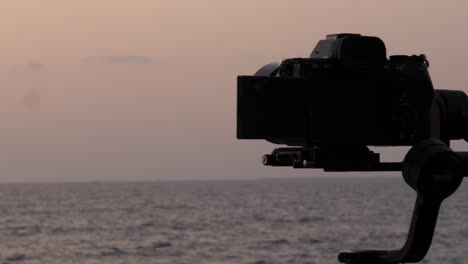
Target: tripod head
[(347, 96)]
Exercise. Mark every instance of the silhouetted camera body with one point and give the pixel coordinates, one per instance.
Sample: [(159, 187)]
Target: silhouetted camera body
[(346, 92)]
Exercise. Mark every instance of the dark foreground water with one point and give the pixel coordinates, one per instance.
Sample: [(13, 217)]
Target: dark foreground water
[(266, 221)]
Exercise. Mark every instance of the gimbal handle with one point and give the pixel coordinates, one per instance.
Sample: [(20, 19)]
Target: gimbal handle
[(435, 172)]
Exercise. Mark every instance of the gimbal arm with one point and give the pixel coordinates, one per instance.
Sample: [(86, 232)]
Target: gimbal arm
[(435, 172)]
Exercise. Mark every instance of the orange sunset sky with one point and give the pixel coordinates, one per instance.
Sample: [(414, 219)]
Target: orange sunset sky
[(141, 90)]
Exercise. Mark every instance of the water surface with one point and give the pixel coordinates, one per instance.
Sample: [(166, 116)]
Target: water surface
[(264, 221)]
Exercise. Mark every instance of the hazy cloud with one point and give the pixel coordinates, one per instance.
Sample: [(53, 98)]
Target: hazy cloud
[(35, 66), (124, 59)]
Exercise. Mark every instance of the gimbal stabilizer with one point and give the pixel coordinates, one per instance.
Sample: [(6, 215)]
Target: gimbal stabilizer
[(431, 168), (346, 96)]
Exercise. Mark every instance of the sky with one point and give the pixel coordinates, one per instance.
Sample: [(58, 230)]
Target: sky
[(97, 90)]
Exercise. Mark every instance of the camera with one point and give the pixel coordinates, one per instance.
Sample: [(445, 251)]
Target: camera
[(347, 95)]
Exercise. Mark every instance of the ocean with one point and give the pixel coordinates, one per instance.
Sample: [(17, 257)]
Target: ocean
[(252, 221)]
